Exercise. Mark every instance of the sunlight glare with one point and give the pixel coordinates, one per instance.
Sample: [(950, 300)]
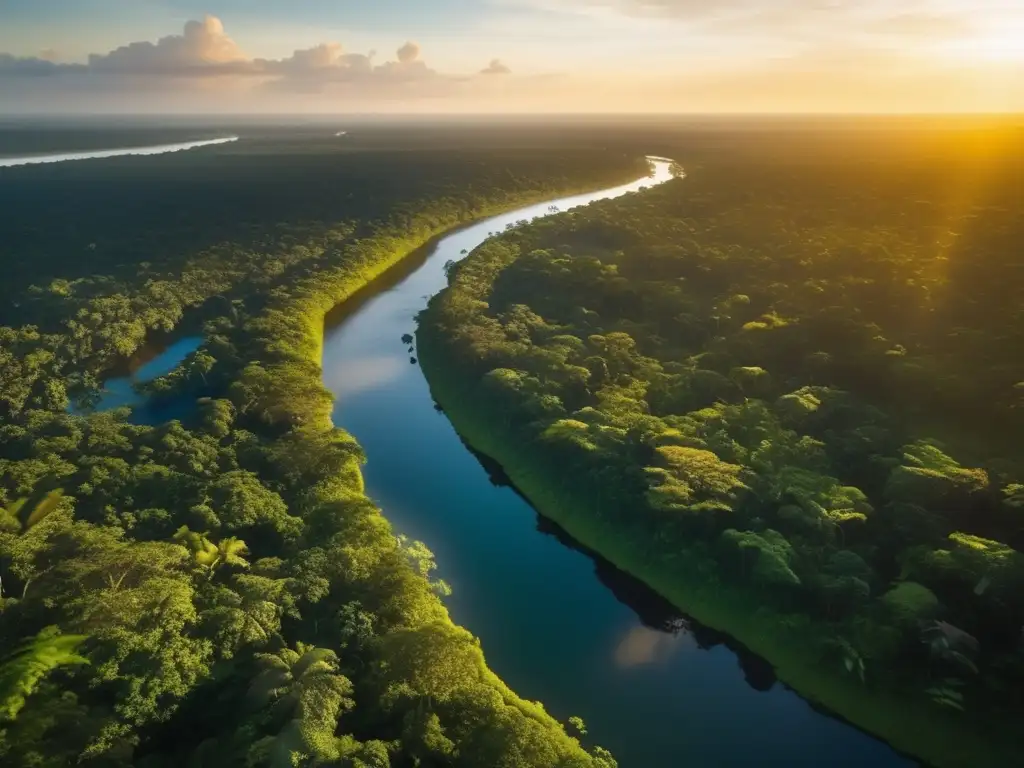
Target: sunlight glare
[(1001, 41)]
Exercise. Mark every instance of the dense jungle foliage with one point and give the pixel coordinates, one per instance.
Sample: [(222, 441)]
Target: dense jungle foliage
[(220, 591), (791, 382)]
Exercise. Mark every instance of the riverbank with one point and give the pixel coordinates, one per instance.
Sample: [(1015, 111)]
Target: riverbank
[(689, 582), (308, 304), (287, 340), (326, 578), (289, 346)]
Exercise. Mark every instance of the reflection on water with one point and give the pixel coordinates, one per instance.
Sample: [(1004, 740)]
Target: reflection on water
[(349, 377), (663, 627), (658, 615), (643, 645), (149, 364), (660, 690), (160, 362)]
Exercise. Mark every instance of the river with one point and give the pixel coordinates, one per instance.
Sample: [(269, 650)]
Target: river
[(97, 154), (556, 624)]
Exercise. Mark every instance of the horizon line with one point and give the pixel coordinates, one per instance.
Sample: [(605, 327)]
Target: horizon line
[(495, 115)]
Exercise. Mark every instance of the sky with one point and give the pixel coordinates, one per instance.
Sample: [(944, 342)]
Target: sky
[(495, 56)]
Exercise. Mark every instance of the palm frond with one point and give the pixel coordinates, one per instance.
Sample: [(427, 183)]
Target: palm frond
[(21, 672)]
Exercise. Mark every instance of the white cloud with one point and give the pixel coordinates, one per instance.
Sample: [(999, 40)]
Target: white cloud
[(324, 62), (327, 69), (746, 55), (205, 54), (203, 49)]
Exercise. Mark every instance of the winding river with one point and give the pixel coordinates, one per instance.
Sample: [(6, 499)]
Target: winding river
[(557, 624)]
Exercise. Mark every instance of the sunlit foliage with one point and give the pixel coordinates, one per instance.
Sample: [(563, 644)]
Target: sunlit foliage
[(223, 591), (801, 361)]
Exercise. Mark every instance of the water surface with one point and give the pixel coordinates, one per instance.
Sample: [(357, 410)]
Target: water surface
[(151, 363), (556, 623), (95, 154)]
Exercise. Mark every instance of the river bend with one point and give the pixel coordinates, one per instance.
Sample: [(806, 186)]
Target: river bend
[(556, 624)]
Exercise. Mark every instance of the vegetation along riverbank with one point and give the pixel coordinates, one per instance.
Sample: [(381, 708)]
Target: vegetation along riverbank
[(219, 590), (786, 392)]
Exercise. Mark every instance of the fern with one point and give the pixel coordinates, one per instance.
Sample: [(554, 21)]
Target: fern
[(22, 671)]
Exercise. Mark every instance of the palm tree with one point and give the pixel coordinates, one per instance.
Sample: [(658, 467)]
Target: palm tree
[(307, 694), (21, 519), (16, 515), (229, 551), (289, 674)]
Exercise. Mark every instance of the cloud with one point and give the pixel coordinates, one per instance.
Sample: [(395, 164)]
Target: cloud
[(327, 66), (643, 645), (408, 68), (746, 55), (788, 18), (12, 66), (496, 68), (927, 25), (326, 61), (204, 48), (686, 8), (699, 10), (204, 54), (408, 53)]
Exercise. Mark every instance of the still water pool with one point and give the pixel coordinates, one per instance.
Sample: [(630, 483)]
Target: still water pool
[(151, 363)]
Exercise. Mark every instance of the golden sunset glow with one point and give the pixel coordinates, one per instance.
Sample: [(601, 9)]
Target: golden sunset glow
[(518, 56), (512, 383)]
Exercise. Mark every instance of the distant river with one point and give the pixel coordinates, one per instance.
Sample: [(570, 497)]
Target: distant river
[(556, 624), (94, 154)]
